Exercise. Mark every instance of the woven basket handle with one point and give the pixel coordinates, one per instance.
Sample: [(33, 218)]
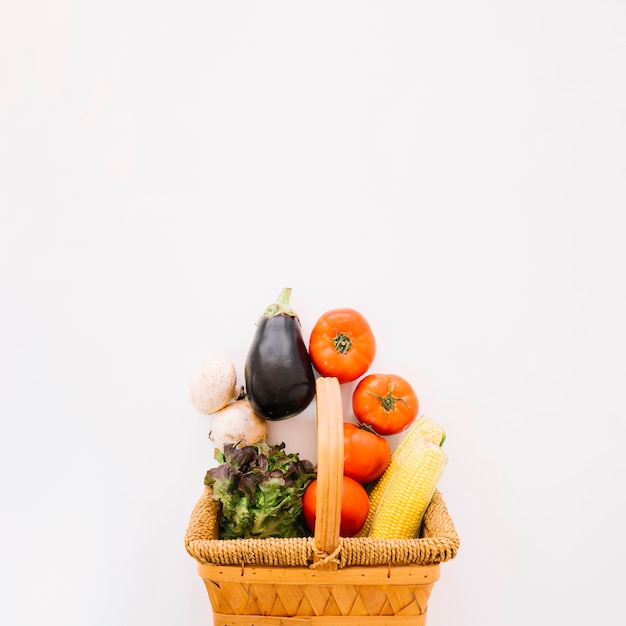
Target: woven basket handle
[(329, 467)]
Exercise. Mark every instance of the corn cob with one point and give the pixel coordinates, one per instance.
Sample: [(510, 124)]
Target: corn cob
[(407, 496), (407, 460), (423, 428)]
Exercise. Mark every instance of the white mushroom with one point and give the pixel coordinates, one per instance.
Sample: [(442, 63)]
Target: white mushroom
[(213, 385), (237, 423)]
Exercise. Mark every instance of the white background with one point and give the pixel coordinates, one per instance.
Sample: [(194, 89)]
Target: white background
[(455, 171)]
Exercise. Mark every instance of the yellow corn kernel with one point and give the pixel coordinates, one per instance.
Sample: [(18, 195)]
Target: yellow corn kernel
[(376, 494), (408, 493), (424, 428)]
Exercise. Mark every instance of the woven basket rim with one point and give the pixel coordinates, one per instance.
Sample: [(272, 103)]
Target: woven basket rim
[(439, 543)]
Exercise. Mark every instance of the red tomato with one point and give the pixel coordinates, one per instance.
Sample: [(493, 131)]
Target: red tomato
[(342, 345), (366, 455), (355, 506), (387, 402)]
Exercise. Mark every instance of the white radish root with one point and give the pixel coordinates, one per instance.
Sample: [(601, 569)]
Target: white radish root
[(237, 423), (213, 385)]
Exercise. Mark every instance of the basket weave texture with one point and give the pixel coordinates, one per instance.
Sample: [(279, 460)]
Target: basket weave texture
[(326, 579), (439, 543)]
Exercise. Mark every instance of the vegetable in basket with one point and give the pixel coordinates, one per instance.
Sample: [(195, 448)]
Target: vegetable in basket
[(354, 506), (342, 344), (387, 402), (400, 497), (279, 377), (366, 454), (237, 423), (214, 385), (260, 489)]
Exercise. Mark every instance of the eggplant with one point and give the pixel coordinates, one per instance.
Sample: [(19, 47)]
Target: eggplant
[(279, 377)]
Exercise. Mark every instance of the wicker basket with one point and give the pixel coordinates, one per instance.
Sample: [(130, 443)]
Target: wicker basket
[(325, 579)]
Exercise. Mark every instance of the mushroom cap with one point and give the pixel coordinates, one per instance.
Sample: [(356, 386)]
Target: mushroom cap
[(237, 423), (213, 385)]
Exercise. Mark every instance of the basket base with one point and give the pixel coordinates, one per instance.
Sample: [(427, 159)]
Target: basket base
[(362, 596), (219, 619)]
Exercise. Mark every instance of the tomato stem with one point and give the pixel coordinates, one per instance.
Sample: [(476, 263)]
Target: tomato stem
[(342, 343), (389, 401), (367, 427)]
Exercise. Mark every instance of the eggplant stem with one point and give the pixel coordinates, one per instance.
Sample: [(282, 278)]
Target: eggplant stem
[(281, 306)]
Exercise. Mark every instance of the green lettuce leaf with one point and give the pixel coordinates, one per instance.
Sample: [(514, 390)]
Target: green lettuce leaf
[(260, 489)]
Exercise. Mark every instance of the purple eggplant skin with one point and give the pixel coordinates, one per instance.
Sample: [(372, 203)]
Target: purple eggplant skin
[(279, 377)]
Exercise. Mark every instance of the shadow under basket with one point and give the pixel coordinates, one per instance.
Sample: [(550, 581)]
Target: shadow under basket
[(325, 579)]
